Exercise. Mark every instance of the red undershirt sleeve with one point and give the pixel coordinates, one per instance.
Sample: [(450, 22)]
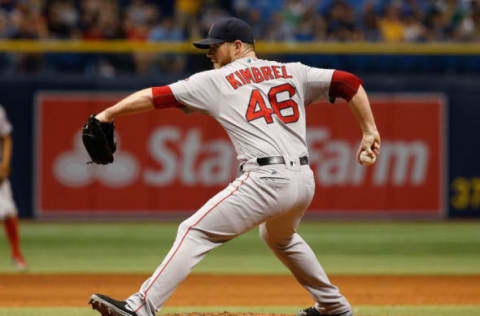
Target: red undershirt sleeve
[(344, 85), (164, 98)]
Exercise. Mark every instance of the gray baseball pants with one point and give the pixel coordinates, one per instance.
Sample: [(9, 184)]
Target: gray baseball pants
[(274, 197)]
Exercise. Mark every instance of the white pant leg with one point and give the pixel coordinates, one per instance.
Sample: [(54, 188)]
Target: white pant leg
[(280, 235), (7, 205)]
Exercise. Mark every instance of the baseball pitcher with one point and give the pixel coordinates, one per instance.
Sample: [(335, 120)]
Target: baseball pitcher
[(261, 104)]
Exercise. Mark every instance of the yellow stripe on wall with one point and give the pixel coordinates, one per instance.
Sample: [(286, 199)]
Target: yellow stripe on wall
[(262, 47)]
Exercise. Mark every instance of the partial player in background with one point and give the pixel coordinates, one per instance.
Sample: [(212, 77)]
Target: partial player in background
[(262, 106), (8, 210)]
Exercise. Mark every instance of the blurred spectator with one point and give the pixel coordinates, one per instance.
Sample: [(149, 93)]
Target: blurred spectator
[(62, 20), (414, 31), (266, 8), (28, 23), (187, 15), (101, 20), (242, 9), (6, 29), (413, 7), (303, 20), (370, 23), (476, 21), (278, 29), (140, 18), (465, 28), (27, 20), (340, 22), (311, 26), (7, 60), (466, 21), (292, 13), (271, 20), (259, 14), (258, 24), (391, 25), (436, 25), (167, 30), (211, 13), (90, 11), (306, 29), (320, 28)]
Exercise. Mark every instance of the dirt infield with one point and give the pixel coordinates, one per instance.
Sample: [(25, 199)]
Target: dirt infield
[(28, 290), (226, 314)]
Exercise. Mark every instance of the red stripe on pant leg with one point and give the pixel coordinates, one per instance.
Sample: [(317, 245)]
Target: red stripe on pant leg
[(185, 235)]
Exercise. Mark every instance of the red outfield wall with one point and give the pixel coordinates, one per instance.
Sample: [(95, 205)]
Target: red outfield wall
[(168, 161)]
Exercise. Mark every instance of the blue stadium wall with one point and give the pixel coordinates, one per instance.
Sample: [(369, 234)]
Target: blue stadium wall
[(462, 92)]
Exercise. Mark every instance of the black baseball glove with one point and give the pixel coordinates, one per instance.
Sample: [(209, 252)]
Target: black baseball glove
[(98, 140)]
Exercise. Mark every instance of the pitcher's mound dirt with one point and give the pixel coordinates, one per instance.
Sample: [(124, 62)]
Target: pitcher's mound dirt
[(25, 290), (225, 314)]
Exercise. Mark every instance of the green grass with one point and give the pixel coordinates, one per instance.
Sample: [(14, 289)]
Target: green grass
[(362, 310), (342, 248)]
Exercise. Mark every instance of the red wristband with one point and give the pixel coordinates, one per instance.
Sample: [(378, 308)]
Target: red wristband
[(164, 98), (344, 85)]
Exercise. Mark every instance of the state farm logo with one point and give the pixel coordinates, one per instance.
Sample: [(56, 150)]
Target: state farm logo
[(193, 160), (70, 167)]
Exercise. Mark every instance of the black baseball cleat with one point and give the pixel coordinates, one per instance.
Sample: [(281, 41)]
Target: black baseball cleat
[(312, 311), (108, 306)]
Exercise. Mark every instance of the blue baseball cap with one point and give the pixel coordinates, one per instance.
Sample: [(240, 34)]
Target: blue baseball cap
[(227, 30)]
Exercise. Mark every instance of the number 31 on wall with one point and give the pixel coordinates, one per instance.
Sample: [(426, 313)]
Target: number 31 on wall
[(466, 193)]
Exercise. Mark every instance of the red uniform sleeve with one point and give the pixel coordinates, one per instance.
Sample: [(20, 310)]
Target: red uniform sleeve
[(344, 85), (164, 98)]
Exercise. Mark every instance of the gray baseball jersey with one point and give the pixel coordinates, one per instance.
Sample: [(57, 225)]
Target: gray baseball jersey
[(261, 105), (7, 205)]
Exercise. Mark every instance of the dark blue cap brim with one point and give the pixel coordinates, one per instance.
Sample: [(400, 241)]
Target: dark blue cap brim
[(205, 43)]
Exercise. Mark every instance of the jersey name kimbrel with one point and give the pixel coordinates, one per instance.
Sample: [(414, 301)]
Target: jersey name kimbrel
[(260, 103), (264, 73)]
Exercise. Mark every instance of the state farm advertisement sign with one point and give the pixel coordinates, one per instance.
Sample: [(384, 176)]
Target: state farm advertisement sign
[(168, 161)]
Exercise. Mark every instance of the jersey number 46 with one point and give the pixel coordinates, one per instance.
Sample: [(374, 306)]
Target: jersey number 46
[(258, 109)]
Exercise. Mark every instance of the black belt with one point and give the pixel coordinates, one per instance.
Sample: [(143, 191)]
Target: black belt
[(279, 160)]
